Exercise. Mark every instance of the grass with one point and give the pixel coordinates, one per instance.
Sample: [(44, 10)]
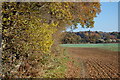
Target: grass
[(59, 68), (108, 46)]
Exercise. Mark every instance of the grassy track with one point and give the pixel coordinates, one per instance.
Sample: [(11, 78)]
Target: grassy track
[(108, 46)]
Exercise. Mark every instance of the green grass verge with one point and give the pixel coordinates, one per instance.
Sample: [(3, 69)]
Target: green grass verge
[(57, 67)]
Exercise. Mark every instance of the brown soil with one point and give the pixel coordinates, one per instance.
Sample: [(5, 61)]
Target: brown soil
[(94, 62)]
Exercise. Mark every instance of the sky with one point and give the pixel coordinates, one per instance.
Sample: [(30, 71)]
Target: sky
[(106, 21)]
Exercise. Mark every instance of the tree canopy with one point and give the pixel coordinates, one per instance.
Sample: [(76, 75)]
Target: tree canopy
[(47, 15)]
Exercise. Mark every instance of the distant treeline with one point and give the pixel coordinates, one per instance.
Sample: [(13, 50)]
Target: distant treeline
[(90, 37)]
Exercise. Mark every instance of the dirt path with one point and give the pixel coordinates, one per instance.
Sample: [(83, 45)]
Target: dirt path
[(96, 63)]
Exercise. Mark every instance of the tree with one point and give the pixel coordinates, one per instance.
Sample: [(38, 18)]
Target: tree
[(71, 38), (28, 28)]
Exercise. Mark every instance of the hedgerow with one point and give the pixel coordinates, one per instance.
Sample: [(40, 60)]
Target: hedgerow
[(29, 31)]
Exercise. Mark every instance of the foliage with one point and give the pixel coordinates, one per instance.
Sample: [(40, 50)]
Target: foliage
[(29, 29), (91, 37), (71, 38)]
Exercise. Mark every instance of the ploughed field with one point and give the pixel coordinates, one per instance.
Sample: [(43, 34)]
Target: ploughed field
[(96, 62)]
